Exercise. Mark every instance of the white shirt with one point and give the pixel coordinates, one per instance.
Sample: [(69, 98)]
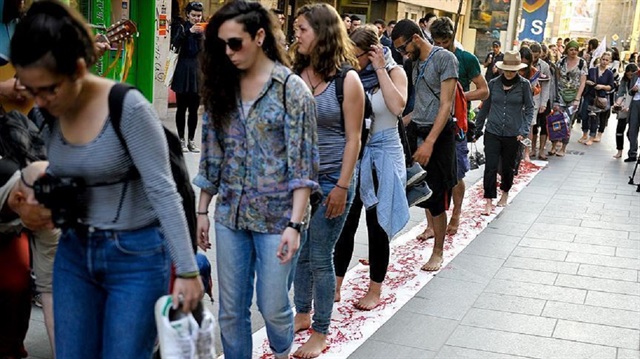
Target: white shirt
[(636, 97)]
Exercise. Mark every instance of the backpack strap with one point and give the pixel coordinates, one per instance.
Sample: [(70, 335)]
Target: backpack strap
[(339, 79), (116, 102)]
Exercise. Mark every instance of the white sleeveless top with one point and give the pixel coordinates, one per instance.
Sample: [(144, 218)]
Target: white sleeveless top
[(382, 118)]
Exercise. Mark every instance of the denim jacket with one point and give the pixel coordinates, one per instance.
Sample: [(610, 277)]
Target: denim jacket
[(384, 153), (255, 163)]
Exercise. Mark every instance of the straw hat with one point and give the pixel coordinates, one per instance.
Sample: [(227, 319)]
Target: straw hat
[(511, 62)]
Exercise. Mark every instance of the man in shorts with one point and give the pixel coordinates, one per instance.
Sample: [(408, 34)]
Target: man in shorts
[(434, 76), (468, 72)]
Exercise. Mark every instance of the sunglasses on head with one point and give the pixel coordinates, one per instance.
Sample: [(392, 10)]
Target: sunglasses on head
[(234, 43)]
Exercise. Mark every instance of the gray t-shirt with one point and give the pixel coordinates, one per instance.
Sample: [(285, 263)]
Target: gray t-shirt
[(442, 66)]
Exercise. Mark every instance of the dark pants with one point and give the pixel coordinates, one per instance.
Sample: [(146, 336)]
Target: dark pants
[(603, 120), (590, 122), (191, 101), (378, 240), (495, 149), (622, 125)]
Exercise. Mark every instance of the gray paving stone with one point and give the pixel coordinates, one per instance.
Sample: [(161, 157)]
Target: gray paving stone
[(628, 253), (426, 332), (526, 345), (628, 354), (445, 298), (451, 352), (590, 314), (540, 232), (525, 275), (613, 242), (509, 322), (620, 207), (545, 219), (518, 217), (501, 226), (611, 225), (373, 349), (548, 254), (606, 261), (597, 334), (509, 303), (540, 291), (471, 268), (613, 300), (543, 265), (526, 207), (567, 246), (560, 215), (492, 245), (634, 235), (608, 272)]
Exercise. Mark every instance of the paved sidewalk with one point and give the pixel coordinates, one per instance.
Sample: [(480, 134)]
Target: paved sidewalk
[(556, 275)]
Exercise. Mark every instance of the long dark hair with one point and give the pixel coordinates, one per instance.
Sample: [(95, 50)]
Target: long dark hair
[(54, 36), (221, 78), (333, 47), (12, 10), (625, 79)]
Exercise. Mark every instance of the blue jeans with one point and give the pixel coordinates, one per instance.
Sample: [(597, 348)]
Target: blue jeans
[(105, 285), (315, 276), (242, 256)]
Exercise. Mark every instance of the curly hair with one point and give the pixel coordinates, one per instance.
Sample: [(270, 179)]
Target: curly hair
[(332, 46), (221, 79), (442, 28), (57, 36)]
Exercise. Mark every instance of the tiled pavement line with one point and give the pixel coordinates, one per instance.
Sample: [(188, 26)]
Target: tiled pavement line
[(570, 336)]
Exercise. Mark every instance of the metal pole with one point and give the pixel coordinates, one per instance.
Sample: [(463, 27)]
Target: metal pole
[(455, 27), (513, 23)]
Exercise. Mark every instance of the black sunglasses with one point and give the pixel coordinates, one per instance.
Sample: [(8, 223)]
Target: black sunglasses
[(234, 43), (402, 49)]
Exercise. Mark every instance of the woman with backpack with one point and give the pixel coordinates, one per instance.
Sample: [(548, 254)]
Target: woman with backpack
[(572, 75), (382, 180), (508, 114), (324, 53), (260, 157), (595, 100), (114, 256)]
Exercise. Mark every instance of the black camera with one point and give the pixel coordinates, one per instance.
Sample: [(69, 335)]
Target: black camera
[(64, 196)]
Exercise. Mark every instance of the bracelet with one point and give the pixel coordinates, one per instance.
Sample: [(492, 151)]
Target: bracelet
[(341, 187), (202, 213), (379, 68), (189, 275)]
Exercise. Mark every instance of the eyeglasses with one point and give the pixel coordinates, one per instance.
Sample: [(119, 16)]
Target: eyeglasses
[(362, 54), (402, 49), (44, 92), (234, 43)]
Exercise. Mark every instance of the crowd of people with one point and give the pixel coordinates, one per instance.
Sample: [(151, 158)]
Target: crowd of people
[(297, 139)]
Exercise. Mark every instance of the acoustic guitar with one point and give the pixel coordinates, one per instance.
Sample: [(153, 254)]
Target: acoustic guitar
[(116, 34)]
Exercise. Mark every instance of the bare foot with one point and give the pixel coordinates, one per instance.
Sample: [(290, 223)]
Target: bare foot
[(434, 263), (503, 199), (372, 298), (583, 139), (337, 296), (313, 347), (589, 142), (488, 208), (302, 321), (561, 153), (618, 154), (454, 223), (428, 233)]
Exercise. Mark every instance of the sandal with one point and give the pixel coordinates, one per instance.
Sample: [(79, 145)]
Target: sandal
[(560, 154), (543, 157)]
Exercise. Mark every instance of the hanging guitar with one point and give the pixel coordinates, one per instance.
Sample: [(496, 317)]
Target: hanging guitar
[(120, 35)]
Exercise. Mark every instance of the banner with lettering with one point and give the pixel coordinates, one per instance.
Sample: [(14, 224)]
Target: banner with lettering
[(534, 17)]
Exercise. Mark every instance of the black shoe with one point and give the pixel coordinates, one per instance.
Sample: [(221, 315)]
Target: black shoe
[(631, 159)]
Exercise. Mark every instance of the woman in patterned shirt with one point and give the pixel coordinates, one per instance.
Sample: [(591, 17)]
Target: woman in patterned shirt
[(260, 156), (323, 48)]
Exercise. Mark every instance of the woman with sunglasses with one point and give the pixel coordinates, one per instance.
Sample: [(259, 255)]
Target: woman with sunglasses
[(113, 261), (383, 172), (323, 48), (260, 157), (508, 114), (187, 37)]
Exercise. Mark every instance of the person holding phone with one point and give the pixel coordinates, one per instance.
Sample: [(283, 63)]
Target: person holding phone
[(187, 37)]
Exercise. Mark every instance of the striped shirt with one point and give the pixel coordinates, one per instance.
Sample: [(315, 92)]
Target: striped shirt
[(331, 133), (144, 201)]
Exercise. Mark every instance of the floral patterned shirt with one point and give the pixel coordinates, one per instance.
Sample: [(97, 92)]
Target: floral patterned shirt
[(256, 162)]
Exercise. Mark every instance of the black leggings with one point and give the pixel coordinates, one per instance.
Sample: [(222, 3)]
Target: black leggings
[(499, 151), (378, 241), (191, 101), (603, 120), (622, 125)]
